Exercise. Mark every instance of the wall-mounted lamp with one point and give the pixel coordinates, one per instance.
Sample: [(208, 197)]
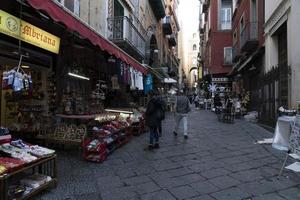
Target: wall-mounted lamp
[(119, 111), (25, 66), (78, 76)]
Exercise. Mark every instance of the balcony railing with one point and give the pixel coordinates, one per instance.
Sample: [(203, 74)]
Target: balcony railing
[(127, 35), (158, 7), (167, 28), (205, 5), (249, 36)]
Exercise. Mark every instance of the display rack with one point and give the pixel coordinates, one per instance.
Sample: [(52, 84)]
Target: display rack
[(45, 166)]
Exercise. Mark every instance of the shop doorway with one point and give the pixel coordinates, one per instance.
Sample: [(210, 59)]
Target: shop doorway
[(283, 89), (153, 59)]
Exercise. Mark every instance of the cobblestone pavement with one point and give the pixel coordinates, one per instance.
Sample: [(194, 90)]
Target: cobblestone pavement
[(218, 161)]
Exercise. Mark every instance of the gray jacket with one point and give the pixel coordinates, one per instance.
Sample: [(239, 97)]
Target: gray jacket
[(182, 105)]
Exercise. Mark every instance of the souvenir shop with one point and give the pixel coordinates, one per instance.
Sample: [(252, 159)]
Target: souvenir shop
[(59, 90)]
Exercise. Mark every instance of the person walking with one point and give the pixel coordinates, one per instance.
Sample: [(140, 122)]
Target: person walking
[(153, 117), (197, 101), (182, 108), (163, 105)]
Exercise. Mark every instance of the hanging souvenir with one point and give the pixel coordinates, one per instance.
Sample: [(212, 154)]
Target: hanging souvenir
[(16, 79), (98, 93)]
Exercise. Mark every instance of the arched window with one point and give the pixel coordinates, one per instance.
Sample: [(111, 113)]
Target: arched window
[(194, 47)]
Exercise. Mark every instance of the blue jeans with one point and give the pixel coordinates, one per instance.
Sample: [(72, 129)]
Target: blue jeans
[(153, 135)]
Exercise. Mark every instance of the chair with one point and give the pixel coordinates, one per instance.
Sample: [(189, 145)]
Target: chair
[(294, 142)]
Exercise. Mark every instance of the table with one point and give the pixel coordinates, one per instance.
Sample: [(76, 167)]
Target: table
[(45, 166), (282, 133)]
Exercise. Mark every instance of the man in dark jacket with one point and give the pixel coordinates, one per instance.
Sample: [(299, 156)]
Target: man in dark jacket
[(153, 116), (182, 108)]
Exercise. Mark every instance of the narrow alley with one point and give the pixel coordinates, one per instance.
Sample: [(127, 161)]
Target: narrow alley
[(218, 161)]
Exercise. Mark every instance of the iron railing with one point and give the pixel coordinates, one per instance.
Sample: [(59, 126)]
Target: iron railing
[(122, 29), (249, 33)]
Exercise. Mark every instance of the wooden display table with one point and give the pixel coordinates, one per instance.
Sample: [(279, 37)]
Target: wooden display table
[(45, 166)]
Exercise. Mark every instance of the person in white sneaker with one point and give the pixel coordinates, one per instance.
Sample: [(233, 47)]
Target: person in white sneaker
[(182, 108)]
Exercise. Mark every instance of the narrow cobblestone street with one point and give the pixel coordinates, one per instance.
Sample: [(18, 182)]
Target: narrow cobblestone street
[(218, 161)]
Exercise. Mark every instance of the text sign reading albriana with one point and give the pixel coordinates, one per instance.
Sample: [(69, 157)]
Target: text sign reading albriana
[(22, 30)]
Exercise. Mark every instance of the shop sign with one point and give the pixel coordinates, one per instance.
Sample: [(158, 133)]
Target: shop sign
[(218, 80), (14, 27)]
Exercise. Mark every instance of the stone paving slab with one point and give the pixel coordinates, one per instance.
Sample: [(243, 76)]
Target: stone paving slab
[(218, 162)]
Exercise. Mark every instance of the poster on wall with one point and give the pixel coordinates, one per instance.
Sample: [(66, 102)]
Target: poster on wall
[(148, 84)]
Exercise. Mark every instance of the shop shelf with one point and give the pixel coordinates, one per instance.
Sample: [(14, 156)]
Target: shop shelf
[(46, 166), (35, 191)]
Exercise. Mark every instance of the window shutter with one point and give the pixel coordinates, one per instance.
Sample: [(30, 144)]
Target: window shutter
[(228, 13), (223, 15)]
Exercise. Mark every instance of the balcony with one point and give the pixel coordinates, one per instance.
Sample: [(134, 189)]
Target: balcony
[(172, 40), (205, 6), (128, 35), (167, 28), (249, 37), (201, 30), (236, 53), (158, 7)]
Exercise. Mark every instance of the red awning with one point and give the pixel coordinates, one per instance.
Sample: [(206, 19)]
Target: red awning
[(58, 14)]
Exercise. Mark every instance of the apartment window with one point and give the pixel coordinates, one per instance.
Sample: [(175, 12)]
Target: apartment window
[(194, 47), (253, 10), (72, 5), (194, 35), (227, 55), (225, 18)]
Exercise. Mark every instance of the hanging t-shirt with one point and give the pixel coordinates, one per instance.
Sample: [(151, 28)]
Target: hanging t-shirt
[(122, 72), (125, 77), (119, 71), (140, 84), (132, 80)]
